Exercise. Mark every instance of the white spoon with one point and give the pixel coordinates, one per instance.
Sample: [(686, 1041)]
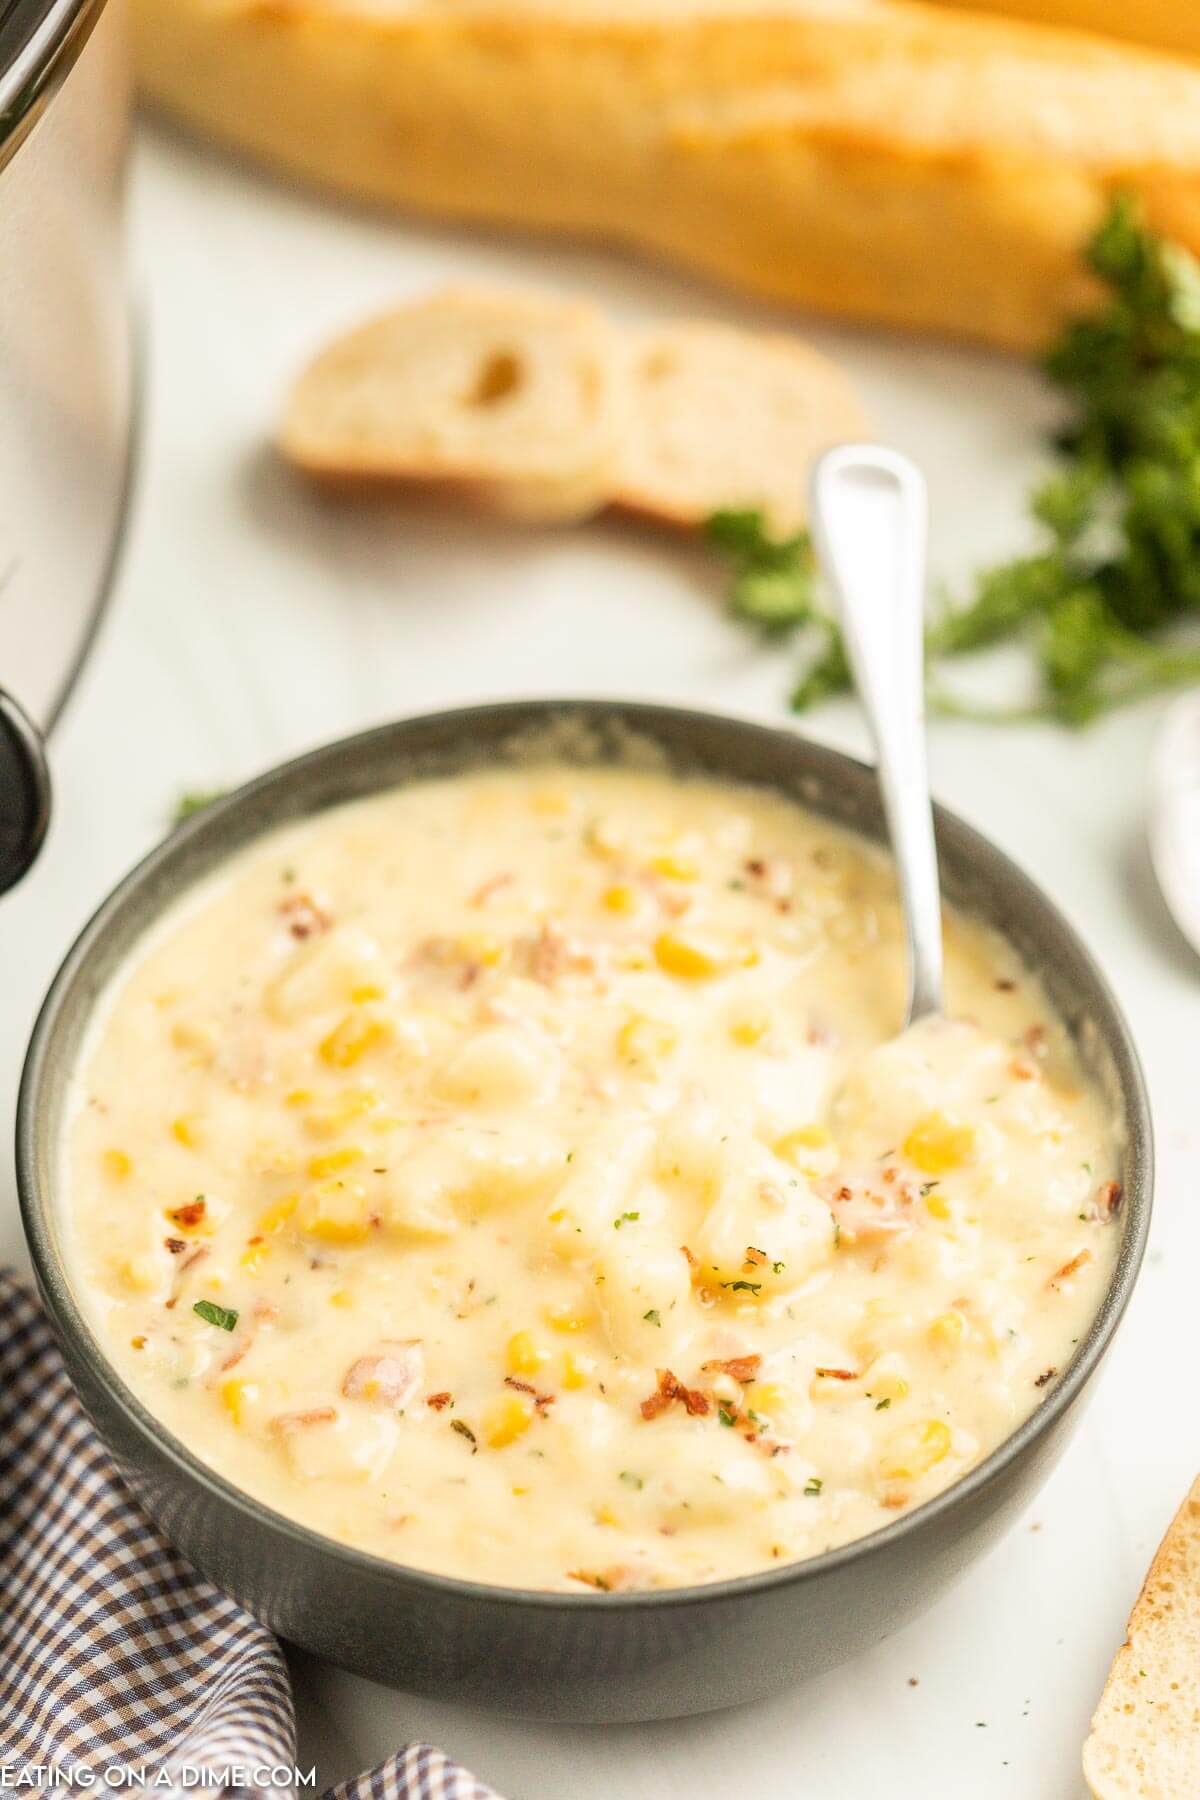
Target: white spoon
[(868, 523)]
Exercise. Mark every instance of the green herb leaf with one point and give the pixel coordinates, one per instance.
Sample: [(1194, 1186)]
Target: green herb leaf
[(626, 1218), (630, 1479), (215, 1315), (726, 1417), (813, 1486), (187, 804), (653, 1317), (743, 1287)]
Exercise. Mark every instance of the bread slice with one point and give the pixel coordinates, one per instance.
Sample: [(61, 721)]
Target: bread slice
[(721, 418), (542, 408), (510, 394), (1161, 24), (1145, 1737), (910, 164)]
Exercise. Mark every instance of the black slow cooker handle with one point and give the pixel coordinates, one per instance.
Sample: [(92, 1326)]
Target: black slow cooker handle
[(24, 791)]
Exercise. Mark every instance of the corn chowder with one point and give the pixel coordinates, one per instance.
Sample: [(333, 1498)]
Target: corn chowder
[(519, 1176)]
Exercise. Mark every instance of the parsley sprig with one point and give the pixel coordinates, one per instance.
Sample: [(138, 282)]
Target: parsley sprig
[(1103, 600)]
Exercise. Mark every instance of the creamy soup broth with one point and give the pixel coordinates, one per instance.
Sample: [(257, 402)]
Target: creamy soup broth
[(523, 1176)]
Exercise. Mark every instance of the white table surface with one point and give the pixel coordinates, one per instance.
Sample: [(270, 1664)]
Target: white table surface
[(252, 620)]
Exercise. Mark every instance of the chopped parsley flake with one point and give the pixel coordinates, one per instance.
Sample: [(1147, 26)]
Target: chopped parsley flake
[(630, 1479), (653, 1317), (626, 1218), (215, 1315), (726, 1417), (743, 1287), (813, 1486)]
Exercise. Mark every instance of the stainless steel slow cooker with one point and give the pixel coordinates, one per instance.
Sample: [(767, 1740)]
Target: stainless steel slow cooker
[(66, 372)]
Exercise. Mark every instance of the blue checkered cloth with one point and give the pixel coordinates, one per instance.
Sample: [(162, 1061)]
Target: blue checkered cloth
[(115, 1654)]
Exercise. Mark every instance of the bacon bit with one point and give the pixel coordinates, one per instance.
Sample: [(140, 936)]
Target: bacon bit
[(1004, 986), (755, 866), (263, 1310), (303, 917), (1045, 1376), (283, 1423), (438, 1401), (894, 1499), (889, 1175), (388, 1376), (839, 1374), (176, 1246), (189, 1262), (550, 955), (671, 1388), (483, 894), (1070, 1268), (693, 1261), (1108, 1199), (844, 1194), (742, 1368), (190, 1214), (1035, 1040), (755, 1258), (606, 1581), (1020, 1070), (540, 1401)]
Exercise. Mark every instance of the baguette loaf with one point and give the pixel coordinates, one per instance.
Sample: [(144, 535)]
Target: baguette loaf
[(895, 162), (1162, 24), (1145, 1737), (541, 407)]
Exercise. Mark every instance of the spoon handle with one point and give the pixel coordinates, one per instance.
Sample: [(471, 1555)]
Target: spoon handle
[(868, 520)]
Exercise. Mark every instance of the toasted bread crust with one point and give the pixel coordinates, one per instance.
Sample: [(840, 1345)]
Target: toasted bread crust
[(899, 163), (1145, 1736)]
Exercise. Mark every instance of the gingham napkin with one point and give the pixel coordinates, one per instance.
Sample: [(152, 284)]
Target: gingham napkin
[(115, 1654)]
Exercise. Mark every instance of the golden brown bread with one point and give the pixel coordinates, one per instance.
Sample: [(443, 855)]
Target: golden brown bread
[(901, 163), (1161, 24), (1145, 1737)]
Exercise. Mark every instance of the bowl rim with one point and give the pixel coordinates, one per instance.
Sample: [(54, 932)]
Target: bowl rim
[(69, 1321)]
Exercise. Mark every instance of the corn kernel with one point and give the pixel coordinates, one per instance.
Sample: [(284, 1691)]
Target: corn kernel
[(937, 1206), (320, 1166), (185, 1131), (552, 803), (620, 898), (481, 947), (350, 1104), (643, 1041), (201, 1040), (765, 1397), (750, 1030), (336, 1212), (298, 1097), (675, 868), (365, 992), (384, 1123), (116, 1164), (253, 1257), (507, 1420), (576, 1369), (566, 1317), (917, 1452), (234, 1395), (685, 957), (523, 1355), (139, 1272), (936, 1144), (604, 1515), (351, 1040), (948, 1330), (748, 955), (343, 1298), (278, 1215)]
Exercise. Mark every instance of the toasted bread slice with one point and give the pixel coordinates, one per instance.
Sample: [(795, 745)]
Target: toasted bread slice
[(911, 164), (1145, 1737), (722, 418), (510, 394)]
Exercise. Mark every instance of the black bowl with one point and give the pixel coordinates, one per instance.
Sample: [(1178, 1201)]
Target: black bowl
[(580, 1657)]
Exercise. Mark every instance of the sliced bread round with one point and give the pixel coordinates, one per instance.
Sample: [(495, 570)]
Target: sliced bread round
[(510, 394), (725, 418)]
